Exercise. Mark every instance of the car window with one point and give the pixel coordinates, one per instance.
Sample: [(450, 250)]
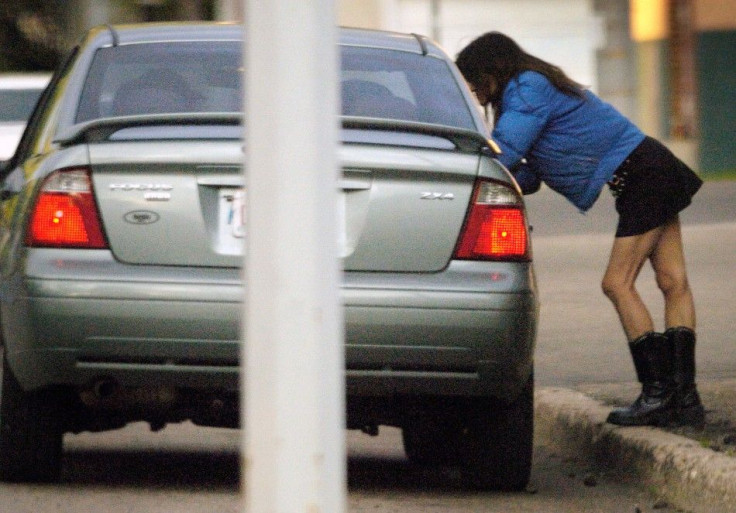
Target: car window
[(391, 84), (162, 78), (206, 77)]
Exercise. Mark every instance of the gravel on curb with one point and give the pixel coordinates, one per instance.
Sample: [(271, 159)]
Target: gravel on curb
[(686, 474)]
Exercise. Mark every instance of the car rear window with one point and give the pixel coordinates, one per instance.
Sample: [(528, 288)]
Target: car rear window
[(156, 78), (400, 85), (206, 77)]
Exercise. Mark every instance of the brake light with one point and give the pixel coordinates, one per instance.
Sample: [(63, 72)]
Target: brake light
[(495, 227), (65, 214)]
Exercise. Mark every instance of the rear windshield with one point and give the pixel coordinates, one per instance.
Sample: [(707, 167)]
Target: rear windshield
[(206, 77), (157, 78), (398, 85)]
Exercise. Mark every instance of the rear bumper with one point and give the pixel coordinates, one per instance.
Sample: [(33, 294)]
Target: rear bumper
[(469, 330)]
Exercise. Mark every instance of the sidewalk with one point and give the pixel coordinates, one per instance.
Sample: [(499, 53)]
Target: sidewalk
[(694, 470)]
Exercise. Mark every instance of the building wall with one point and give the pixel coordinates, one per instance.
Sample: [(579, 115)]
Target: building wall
[(616, 63), (360, 13), (715, 15), (564, 32), (716, 72), (717, 99)]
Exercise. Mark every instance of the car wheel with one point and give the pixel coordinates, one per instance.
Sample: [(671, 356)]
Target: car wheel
[(31, 432), (497, 443)]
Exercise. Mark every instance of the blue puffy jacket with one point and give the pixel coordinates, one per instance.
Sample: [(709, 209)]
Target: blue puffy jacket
[(572, 144)]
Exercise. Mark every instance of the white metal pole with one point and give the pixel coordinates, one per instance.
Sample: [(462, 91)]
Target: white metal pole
[(293, 364)]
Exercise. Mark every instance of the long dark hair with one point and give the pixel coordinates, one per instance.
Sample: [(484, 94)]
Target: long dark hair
[(501, 57)]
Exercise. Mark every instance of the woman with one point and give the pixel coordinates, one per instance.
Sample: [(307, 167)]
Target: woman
[(552, 130)]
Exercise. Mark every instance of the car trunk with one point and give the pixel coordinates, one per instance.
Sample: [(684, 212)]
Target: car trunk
[(170, 203)]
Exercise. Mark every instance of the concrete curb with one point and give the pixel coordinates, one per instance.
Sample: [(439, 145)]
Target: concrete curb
[(687, 475)]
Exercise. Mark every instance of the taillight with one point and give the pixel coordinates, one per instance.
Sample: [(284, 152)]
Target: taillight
[(65, 213), (495, 227)]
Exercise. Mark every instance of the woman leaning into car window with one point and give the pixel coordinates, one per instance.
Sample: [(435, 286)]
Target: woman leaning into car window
[(553, 130)]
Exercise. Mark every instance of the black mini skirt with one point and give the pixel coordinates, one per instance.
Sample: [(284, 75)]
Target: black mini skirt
[(651, 187)]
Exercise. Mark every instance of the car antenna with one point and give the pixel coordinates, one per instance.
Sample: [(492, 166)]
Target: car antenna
[(114, 34), (422, 43)]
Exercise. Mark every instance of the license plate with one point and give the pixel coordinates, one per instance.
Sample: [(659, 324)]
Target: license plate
[(232, 219), (232, 222)]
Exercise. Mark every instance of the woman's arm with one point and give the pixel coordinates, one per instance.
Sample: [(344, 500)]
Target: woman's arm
[(525, 111), (528, 180)]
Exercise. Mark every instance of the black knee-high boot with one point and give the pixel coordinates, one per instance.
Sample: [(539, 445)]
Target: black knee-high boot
[(653, 359), (690, 411)]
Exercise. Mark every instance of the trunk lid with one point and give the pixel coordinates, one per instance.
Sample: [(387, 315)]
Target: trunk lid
[(401, 208)]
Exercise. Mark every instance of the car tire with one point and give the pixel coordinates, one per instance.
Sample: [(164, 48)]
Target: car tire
[(491, 443), (498, 442), (31, 432)]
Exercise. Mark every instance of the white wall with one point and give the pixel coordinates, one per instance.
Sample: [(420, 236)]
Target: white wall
[(564, 32)]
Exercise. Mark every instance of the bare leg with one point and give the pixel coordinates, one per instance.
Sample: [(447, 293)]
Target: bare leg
[(668, 262), (628, 255)]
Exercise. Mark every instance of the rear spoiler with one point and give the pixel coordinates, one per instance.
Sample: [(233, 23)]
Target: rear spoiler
[(462, 138), (101, 129)]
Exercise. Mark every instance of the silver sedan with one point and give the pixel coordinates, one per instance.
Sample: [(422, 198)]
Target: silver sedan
[(122, 227)]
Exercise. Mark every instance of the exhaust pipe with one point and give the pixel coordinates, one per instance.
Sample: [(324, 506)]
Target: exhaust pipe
[(100, 390), (104, 388)]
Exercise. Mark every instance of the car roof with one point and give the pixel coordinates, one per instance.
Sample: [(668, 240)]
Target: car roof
[(203, 31)]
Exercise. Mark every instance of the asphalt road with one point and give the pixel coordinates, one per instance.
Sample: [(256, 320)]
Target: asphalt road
[(186, 469), (580, 339)]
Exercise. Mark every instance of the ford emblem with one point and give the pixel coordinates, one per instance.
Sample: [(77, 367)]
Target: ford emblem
[(141, 217)]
